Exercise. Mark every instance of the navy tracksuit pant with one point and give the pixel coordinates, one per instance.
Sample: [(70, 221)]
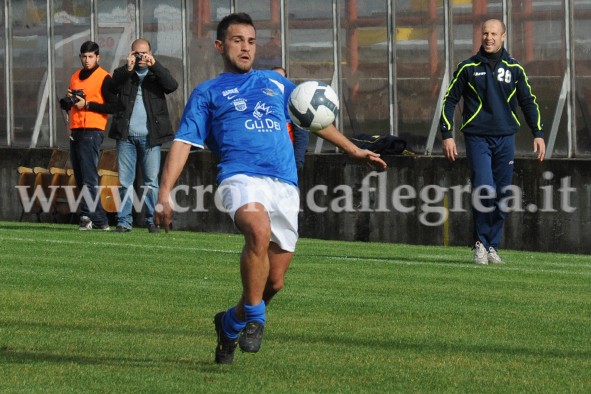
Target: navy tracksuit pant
[(491, 164)]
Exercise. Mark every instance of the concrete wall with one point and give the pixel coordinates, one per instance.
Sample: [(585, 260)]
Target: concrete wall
[(341, 199)]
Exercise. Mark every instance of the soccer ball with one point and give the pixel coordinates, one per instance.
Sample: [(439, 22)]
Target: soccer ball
[(313, 105)]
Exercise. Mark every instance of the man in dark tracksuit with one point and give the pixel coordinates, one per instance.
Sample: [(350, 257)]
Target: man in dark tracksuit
[(492, 84), (141, 125)]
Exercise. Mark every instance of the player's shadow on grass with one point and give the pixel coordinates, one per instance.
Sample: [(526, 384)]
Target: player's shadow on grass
[(13, 356), (93, 329), (8, 354)]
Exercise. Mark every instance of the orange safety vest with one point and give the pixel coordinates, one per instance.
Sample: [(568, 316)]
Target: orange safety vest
[(290, 131), (83, 118)]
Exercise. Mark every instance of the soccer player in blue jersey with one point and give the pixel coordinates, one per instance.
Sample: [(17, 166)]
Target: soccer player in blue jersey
[(241, 116), (492, 84)]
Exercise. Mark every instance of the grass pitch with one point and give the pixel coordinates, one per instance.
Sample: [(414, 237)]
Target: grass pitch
[(109, 312)]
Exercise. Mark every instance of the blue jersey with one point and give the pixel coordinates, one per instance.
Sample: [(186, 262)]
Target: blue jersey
[(242, 118)]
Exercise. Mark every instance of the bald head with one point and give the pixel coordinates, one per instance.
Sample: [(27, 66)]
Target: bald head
[(141, 47), (141, 41), (493, 35)]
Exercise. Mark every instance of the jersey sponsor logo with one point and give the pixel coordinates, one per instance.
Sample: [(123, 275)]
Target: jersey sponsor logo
[(231, 93), (477, 74), (269, 92), (262, 125), (239, 104), (261, 109)]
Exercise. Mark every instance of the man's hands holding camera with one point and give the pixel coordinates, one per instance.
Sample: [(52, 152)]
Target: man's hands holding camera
[(138, 59), (75, 98)]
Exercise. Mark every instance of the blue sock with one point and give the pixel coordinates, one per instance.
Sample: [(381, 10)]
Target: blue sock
[(231, 325), (256, 312)]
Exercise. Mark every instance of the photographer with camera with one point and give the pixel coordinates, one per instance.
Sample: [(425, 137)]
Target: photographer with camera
[(72, 98), (89, 99), (140, 126)]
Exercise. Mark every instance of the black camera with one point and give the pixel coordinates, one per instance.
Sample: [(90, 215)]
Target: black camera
[(67, 102), (138, 57)]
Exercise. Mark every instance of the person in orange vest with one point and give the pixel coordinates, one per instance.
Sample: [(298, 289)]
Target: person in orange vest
[(89, 99)]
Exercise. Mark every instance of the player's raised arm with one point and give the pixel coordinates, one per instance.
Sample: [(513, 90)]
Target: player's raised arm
[(332, 135)]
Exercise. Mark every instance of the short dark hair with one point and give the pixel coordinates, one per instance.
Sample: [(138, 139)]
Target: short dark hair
[(279, 69), (240, 18), (89, 46)]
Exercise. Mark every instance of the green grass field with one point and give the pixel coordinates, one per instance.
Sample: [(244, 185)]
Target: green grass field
[(113, 313)]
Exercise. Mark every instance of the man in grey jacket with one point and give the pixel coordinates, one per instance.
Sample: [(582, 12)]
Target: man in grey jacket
[(140, 126)]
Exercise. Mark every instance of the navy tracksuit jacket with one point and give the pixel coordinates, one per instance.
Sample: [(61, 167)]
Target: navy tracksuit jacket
[(489, 122), (490, 98)]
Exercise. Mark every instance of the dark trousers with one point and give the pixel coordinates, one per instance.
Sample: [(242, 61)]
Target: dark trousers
[(85, 148), (491, 163)]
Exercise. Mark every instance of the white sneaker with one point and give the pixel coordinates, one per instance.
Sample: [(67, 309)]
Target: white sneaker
[(493, 256), (85, 224), (480, 255)]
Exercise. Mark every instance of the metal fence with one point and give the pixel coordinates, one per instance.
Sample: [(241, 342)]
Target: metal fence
[(390, 61)]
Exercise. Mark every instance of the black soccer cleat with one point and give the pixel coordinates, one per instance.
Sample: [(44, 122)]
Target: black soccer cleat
[(251, 337), (224, 351)]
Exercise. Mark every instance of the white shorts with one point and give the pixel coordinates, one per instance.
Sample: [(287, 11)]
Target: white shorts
[(280, 199)]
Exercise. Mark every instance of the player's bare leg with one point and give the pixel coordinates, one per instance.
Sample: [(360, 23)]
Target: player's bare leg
[(279, 261), (253, 222)]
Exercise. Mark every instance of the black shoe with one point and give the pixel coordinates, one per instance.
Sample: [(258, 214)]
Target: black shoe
[(122, 229), (153, 228), (224, 352), (103, 227), (251, 337)]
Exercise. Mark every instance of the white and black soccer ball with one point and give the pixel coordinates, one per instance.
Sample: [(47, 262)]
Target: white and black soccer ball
[(313, 105)]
